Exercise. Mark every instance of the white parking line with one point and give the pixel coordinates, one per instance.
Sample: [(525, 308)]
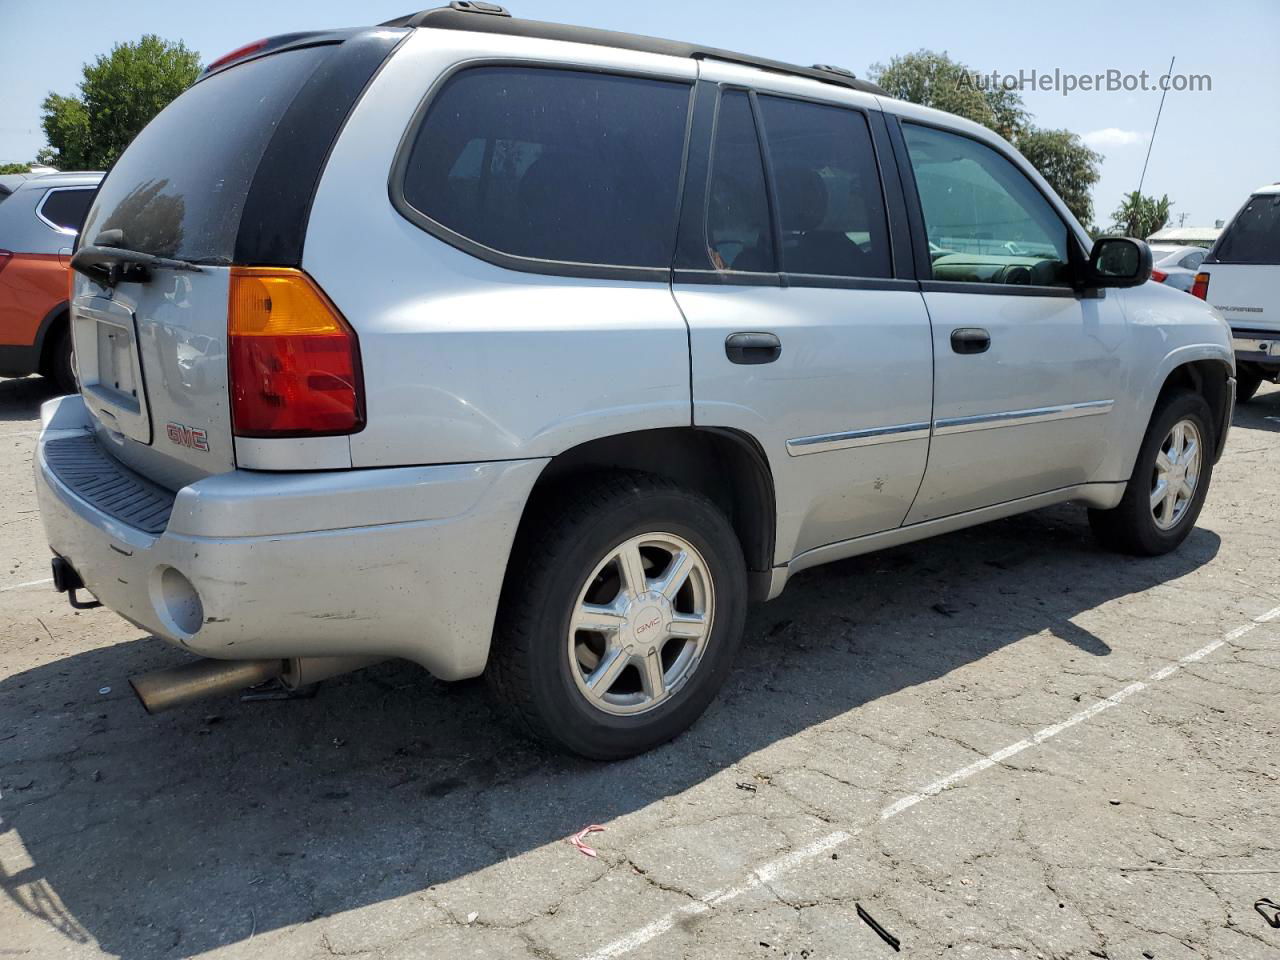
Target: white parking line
[(765, 873), (29, 583)]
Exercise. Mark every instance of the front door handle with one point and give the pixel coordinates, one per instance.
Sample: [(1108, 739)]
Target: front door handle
[(970, 340), (752, 347)]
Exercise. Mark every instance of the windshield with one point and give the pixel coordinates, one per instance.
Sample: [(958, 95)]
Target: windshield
[(180, 187)]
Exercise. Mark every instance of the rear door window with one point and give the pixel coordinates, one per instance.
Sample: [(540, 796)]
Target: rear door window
[(551, 164), (739, 231), (65, 209), (1254, 235), (830, 205), (180, 187)]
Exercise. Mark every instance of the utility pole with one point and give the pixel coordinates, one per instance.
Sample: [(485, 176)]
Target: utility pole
[(1156, 126)]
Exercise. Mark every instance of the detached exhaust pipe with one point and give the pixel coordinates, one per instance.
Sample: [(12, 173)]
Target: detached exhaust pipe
[(163, 690)]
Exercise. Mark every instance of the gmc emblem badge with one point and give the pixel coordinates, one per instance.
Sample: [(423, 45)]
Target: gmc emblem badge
[(185, 436)]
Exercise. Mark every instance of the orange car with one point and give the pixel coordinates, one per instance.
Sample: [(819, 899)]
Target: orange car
[(40, 215)]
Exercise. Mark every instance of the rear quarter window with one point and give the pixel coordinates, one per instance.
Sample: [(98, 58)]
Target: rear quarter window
[(551, 165), (65, 208), (1254, 235)]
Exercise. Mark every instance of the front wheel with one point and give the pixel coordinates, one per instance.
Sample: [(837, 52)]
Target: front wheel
[(621, 616), (1169, 482)]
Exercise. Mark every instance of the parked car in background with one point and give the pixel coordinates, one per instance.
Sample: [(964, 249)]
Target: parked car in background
[(538, 351), (1176, 266), (40, 215), (1241, 277)]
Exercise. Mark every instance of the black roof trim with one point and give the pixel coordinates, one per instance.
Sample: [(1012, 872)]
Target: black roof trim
[(490, 18)]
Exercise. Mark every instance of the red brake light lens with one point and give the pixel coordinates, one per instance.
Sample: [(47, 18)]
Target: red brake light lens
[(237, 54), (1159, 276), (293, 361), (1200, 286)]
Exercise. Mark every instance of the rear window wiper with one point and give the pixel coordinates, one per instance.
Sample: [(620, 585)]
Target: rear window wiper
[(108, 261)]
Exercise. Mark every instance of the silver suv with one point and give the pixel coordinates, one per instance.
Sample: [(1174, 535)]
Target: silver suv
[(537, 351)]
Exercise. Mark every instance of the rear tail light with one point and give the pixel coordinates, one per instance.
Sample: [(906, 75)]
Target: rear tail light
[(5, 257), (294, 362), (1200, 286), (1159, 276)]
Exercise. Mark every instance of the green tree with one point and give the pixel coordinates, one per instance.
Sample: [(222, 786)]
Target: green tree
[(933, 79), (14, 167), (120, 93), (1140, 216), (66, 127), (1070, 167)]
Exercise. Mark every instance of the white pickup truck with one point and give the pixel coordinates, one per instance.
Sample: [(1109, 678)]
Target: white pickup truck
[(1241, 277)]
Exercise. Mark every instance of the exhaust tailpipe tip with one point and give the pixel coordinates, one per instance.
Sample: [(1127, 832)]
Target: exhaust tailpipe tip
[(163, 690)]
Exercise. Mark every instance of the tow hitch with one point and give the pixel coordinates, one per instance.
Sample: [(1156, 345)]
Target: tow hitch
[(66, 580)]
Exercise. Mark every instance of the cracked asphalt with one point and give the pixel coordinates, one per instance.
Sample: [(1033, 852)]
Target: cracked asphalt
[(393, 816)]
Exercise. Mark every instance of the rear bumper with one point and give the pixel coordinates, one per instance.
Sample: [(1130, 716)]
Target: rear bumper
[(1259, 347), (399, 562)]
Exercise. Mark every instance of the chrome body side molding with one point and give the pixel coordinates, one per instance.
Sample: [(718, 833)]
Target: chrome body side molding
[(857, 438), (1017, 418), (948, 425)]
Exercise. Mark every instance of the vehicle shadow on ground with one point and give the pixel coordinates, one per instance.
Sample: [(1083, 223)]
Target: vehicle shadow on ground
[(1261, 413), (161, 836), (20, 397)]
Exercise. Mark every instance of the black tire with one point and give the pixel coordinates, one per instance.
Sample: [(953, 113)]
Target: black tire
[(1131, 526), (529, 669), (60, 368), (1247, 385)]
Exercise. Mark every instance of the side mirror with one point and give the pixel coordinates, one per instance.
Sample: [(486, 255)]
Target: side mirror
[(1118, 262)]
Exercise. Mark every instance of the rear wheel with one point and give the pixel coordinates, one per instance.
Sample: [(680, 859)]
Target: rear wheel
[(60, 368), (1170, 480), (621, 617)]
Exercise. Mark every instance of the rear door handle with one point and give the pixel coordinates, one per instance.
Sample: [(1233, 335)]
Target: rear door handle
[(970, 340), (752, 347)]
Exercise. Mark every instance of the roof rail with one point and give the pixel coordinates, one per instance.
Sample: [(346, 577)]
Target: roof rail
[(491, 18)]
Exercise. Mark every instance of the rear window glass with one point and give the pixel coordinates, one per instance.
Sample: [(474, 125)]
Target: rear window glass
[(554, 164), (180, 187), (66, 209), (1254, 235)]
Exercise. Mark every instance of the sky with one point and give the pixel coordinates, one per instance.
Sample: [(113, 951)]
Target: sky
[(1212, 148)]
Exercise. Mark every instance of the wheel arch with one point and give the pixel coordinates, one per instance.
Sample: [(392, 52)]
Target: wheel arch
[(1210, 376), (728, 466)]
